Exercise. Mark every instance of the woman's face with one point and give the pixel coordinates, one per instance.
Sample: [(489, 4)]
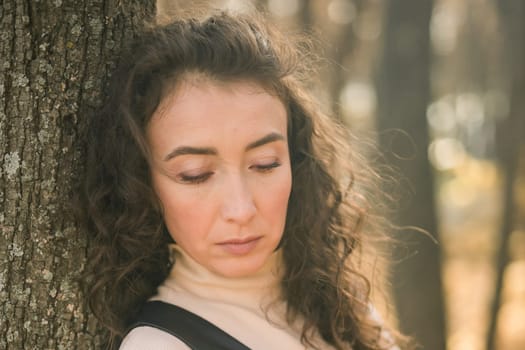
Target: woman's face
[(222, 171)]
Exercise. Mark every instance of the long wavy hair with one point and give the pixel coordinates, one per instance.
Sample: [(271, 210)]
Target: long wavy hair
[(328, 214)]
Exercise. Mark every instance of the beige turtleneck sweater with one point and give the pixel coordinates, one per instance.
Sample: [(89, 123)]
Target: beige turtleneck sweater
[(247, 308)]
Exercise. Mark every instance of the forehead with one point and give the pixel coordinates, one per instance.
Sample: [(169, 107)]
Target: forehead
[(203, 106)]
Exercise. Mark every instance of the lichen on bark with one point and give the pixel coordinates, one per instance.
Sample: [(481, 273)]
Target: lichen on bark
[(56, 58)]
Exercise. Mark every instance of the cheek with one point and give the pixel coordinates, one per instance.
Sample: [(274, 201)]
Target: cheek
[(275, 198), (185, 214)]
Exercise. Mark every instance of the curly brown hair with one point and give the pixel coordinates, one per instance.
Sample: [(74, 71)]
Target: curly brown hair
[(328, 209)]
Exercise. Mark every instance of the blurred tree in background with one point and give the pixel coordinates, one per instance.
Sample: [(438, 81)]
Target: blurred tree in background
[(512, 148), (403, 97)]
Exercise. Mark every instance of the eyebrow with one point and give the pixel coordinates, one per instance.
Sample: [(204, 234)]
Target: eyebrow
[(183, 150)]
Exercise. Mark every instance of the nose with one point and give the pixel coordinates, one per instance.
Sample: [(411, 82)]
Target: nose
[(238, 203)]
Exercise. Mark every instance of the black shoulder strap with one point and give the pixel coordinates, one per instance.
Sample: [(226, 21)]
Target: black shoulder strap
[(193, 330)]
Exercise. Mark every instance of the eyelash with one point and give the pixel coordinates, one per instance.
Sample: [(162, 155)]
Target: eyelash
[(194, 180), (266, 167), (197, 179)]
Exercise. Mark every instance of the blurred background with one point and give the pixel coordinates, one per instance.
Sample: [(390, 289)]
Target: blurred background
[(439, 86)]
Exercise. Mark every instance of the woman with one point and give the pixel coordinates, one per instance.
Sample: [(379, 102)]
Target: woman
[(215, 183)]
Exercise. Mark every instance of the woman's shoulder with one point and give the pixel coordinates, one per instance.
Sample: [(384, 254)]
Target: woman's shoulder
[(146, 338)]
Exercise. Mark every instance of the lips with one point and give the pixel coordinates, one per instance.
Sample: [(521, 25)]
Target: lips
[(239, 246)]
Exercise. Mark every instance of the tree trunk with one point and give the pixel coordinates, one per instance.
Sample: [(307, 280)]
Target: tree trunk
[(55, 57), (510, 142), (403, 95)]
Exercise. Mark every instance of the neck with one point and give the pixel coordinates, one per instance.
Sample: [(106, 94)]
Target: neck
[(193, 276)]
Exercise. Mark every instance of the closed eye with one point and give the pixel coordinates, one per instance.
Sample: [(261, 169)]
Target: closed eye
[(194, 179), (263, 168)]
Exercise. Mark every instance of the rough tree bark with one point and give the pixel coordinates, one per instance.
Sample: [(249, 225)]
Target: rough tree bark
[(403, 95), (55, 56)]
